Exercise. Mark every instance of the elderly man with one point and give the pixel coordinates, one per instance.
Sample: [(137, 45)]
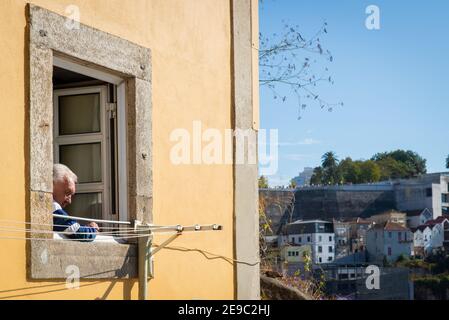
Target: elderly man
[(63, 189)]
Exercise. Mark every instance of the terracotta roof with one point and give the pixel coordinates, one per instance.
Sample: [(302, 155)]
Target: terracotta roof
[(440, 219), (392, 226)]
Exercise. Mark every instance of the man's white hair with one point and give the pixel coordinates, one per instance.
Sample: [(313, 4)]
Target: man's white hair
[(62, 172)]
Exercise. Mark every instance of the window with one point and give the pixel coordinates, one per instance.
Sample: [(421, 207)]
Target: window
[(330, 249), (320, 238), (91, 53), (308, 239), (297, 253), (389, 251), (389, 235), (299, 239), (320, 249), (329, 259), (320, 260), (330, 238), (289, 253), (84, 140), (429, 192)]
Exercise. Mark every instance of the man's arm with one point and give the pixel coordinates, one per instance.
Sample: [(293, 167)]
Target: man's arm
[(72, 228)]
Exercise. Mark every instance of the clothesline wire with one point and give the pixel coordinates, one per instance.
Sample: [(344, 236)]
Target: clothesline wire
[(121, 231), (55, 225), (150, 227), (13, 229)]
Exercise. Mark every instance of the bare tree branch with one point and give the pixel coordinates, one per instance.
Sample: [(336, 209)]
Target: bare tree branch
[(290, 60)]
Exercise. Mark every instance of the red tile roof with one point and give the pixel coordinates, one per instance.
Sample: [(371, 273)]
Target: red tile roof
[(390, 226)]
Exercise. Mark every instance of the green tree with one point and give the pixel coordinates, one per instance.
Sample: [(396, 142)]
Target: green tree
[(331, 172), (350, 170), (369, 171), (263, 183), (317, 177), (414, 164), (392, 169), (329, 160)]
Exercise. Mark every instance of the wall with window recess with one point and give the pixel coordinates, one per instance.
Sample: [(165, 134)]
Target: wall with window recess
[(191, 80)]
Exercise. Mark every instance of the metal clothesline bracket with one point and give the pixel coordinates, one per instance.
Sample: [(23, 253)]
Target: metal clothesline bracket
[(146, 253)]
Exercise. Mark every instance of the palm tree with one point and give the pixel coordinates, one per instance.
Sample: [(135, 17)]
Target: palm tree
[(329, 160), (330, 166)]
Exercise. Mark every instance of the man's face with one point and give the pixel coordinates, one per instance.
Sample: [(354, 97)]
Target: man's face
[(63, 192)]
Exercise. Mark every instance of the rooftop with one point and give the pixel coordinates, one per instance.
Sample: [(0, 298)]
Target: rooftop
[(390, 226)]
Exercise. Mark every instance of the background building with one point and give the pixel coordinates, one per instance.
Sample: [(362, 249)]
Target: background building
[(388, 241), (316, 233)]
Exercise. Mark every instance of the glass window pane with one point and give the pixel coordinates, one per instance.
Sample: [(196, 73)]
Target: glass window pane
[(79, 114), (85, 205), (84, 160)]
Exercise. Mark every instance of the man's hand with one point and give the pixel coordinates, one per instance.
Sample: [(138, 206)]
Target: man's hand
[(94, 225)]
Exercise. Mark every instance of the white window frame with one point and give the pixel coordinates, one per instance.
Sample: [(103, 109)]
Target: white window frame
[(121, 143), (101, 137)]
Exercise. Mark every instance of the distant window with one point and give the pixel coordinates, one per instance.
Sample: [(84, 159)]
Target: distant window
[(330, 238), (389, 235), (329, 259), (319, 259), (428, 192), (330, 249), (320, 238), (320, 249), (389, 251), (297, 253), (308, 239), (299, 239)]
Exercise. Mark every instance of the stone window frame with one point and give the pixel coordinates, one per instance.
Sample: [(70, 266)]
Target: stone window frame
[(50, 37)]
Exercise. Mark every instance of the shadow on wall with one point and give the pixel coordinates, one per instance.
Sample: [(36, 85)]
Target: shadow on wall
[(61, 287)]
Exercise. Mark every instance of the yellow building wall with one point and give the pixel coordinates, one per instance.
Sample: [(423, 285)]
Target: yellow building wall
[(190, 42)]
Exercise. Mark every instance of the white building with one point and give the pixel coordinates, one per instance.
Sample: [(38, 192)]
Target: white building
[(316, 233), (422, 236), (417, 218), (388, 240)]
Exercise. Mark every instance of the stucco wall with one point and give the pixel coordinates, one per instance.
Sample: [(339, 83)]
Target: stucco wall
[(191, 80)]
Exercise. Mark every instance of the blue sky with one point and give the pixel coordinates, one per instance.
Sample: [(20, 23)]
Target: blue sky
[(393, 82)]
